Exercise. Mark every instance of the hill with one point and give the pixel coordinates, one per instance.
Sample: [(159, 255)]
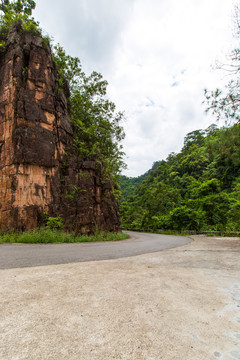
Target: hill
[(195, 189)]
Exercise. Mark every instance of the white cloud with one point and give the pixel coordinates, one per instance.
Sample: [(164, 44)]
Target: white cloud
[(156, 56), (88, 29)]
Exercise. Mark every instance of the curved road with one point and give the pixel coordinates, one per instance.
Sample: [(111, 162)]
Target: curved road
[(28, 255)]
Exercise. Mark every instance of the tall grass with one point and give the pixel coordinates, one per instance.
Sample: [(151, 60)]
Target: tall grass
[(51, 236)]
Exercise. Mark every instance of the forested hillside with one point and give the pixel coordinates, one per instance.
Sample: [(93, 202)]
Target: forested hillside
[(196, 189)]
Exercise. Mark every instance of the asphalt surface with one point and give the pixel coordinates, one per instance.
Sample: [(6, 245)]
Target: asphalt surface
[(30, 255), (181, 303)]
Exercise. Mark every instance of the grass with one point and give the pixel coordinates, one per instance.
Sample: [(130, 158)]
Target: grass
[(49, 236)]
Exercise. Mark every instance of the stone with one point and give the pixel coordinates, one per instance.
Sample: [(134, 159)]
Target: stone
[(38, 173)]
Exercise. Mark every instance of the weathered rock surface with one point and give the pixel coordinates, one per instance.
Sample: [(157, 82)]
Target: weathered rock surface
[(35, 134)]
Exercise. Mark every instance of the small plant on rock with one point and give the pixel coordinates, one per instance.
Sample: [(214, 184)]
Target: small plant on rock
[(55, 223)]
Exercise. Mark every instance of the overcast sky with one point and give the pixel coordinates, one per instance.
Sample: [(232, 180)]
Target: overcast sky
[(157, 56)]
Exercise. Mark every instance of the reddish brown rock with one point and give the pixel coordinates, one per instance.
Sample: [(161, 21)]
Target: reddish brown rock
[(35, 132)]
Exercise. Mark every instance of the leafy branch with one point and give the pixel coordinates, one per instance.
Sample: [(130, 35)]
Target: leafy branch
[(14, 11), (224, 104), (96, 124)]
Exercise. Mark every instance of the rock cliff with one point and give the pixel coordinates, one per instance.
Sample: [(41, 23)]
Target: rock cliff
[(38, 174)]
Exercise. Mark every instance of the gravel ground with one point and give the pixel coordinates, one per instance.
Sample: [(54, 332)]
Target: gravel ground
[(181, 304)]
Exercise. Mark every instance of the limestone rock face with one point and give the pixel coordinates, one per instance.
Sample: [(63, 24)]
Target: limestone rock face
[(35, 132)]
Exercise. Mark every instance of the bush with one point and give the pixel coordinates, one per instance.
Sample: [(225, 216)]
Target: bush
[(184, 218), (54, 223)]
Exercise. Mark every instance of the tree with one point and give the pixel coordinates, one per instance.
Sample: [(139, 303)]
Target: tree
[(225, 103), (96, 124), (194, 161), (185, 218), (16, 11), (194, 137), (19, 6), (196, 189)]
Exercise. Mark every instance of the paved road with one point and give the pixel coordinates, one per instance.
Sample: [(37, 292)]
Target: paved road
[(25, 255)]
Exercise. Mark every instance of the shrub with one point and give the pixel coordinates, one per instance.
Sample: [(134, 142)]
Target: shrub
[(54, 223)]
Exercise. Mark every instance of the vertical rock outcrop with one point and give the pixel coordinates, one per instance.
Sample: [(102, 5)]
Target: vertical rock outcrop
[(36, 174)]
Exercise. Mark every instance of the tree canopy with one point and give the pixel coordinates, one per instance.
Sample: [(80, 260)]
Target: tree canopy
[(14, 11), (19, 7), (196, 189), (96, 124)]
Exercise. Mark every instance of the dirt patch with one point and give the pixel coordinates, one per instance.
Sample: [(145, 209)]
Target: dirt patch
[(182, 303)]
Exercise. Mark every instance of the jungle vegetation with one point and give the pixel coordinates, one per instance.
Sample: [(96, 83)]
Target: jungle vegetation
[(199, 187), (195, 189)]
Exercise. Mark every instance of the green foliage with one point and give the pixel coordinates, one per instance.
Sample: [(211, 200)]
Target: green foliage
[(185, 218), (205, 188), (24, 7), (196, 189), (69, 68), (129, 184), (96, 124), (194, 137), (54, 223), (72, 193), (48, 236), (16, 11)]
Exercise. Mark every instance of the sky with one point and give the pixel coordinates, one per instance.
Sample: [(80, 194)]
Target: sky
[(158, 56)]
